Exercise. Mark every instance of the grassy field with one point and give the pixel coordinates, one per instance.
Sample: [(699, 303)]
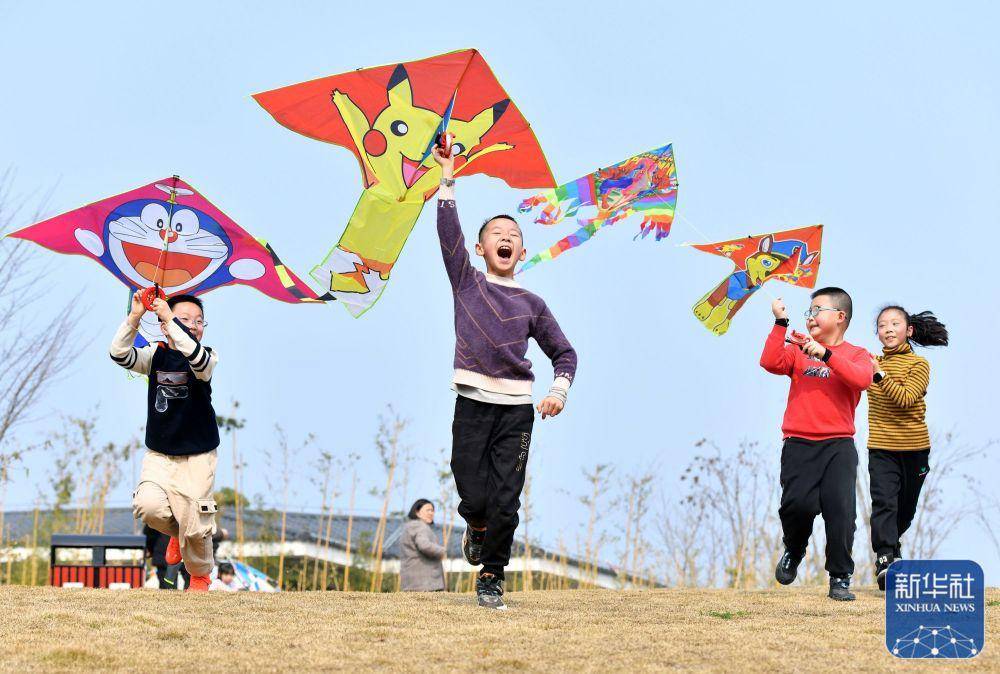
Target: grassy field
[(45, 629)]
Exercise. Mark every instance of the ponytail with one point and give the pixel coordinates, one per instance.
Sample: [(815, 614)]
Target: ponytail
[(927, 329)]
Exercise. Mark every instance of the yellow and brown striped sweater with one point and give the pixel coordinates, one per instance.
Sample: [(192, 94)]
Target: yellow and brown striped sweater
[(896, 407)]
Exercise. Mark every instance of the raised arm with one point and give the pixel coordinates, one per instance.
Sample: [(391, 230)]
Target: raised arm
[(202, 359), (778, 357), (456, 256), (123, 350), (911, 390)]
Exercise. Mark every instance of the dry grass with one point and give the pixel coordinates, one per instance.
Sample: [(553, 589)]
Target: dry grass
[(722, 630)]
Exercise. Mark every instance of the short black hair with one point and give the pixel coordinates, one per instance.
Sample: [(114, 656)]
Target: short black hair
[(841, 300), (502, 216), (415, 508), (174, 300), (226, 567)]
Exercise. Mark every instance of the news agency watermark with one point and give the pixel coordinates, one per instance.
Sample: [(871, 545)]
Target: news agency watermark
[(935, 609)]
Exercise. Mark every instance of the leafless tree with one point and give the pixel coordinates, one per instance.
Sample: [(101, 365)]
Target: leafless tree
[(598, 486), (447, 496), (724, 530), (37, 344), (353, 459), (388, 442), (323, 477), (231, 424), (284, 454), (952, 493)]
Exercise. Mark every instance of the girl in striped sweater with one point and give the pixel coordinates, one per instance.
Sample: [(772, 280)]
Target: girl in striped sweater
[(898, 440)]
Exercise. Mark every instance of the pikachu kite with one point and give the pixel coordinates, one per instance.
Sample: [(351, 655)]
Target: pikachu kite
[(389, 117)]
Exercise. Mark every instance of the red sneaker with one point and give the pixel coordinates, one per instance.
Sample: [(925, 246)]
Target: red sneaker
[(173, 554), (199, 584)]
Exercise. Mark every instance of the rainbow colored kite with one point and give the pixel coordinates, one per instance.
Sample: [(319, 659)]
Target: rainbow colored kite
[(791, 256), (645, 184), (167, 234), (389, 117)]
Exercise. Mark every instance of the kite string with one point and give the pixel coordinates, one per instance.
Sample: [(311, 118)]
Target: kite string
[(706, 239), (166, 236)]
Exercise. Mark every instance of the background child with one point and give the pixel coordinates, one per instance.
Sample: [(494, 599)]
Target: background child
[(494, 317), (174, 494), (898, 440), (819, 462), (226, 580)]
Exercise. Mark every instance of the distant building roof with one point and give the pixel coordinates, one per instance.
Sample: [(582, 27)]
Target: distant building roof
[(265, 525)]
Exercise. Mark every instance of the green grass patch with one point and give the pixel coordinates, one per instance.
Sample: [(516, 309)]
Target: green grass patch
[(993, 602), (72, 657), (729, 615)]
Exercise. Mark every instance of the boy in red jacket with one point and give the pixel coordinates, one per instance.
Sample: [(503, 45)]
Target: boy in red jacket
[(819, 462)]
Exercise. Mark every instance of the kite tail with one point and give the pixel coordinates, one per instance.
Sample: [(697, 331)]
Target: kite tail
[(659, 223), (580, 236), (550, 214)]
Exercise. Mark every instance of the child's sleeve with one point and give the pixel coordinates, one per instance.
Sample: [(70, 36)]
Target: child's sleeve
[(554, 344), (778, 357), (124, 353), (855, 369), (201, 358), (456, 257), (911, 390)]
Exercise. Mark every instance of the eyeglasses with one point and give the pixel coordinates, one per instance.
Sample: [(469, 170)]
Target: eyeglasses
[(813, 312), (198, 323)]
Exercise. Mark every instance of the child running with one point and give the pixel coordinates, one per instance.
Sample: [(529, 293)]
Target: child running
[(819, 462), (174, 494), (898, 440), (491, 433)]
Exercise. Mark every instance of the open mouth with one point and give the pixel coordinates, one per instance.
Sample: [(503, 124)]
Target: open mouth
[(505, 252), (412, 171), (177, 268)]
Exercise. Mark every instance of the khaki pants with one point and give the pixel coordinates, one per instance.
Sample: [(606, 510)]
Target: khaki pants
[(174, 496)]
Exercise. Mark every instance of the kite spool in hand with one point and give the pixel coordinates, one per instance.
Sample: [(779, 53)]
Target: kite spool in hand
[(797, 338), (444, 141), (150, 294)]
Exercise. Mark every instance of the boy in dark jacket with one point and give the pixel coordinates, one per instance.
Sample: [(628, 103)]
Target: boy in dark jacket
[(174, 495), (491, 433)]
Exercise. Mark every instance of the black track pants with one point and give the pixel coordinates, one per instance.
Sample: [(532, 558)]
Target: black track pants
[(896, 481), (489, 455), (817, 478)]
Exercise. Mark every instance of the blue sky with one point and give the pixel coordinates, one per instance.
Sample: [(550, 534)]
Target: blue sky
[(878, 120)]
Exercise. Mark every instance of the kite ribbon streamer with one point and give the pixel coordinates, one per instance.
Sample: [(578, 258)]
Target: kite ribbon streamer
[(645, 185)]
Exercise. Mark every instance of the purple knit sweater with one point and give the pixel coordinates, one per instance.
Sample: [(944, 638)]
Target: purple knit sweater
[(494, 317)]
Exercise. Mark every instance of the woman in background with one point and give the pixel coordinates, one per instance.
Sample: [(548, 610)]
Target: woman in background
[(420, 568)]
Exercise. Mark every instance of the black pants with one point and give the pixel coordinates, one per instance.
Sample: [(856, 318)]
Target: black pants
[(817, 478), (489, 455), (167, 576), (896, 480)]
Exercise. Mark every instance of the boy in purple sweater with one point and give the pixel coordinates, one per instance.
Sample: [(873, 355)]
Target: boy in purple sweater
[(494, 317)]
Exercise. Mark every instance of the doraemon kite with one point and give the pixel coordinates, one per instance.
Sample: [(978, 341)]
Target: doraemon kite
[(167, 234)]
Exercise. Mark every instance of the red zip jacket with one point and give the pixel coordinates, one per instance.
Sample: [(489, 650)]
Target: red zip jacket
[(823, 395)]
